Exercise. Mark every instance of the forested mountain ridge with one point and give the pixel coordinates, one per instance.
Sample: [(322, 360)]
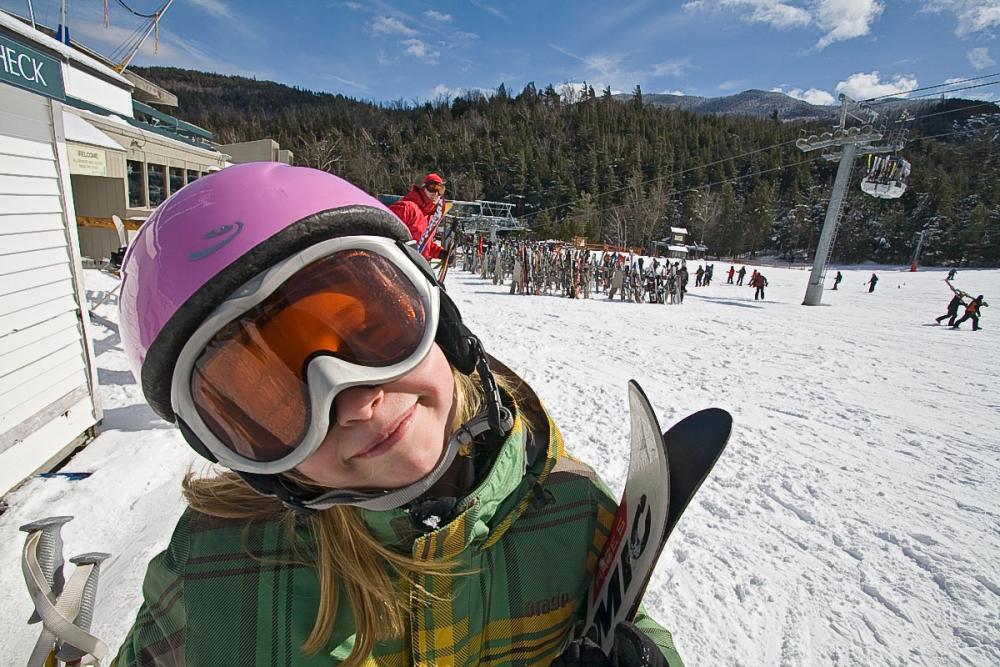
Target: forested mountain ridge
[(624, 171)]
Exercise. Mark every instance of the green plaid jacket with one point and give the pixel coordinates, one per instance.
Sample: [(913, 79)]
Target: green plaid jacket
[(530, 538)]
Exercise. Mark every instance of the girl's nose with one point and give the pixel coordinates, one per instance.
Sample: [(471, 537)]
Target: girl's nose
[(357, 404)]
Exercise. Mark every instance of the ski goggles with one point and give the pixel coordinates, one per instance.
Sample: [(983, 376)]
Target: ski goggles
[(436, 188), (256, 382)]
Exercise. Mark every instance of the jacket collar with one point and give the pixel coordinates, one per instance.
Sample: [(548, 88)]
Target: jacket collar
[(487, 512)]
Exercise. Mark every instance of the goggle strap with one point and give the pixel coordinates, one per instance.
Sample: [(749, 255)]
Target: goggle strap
[(500, 418)]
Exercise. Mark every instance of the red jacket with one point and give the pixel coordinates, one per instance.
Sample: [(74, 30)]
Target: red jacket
[(415, 210), (758, 281)]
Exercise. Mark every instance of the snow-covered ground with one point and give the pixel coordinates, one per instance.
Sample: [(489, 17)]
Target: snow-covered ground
[(853, 520)]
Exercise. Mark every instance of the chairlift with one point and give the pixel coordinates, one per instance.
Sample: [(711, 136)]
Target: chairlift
[(886, 177)]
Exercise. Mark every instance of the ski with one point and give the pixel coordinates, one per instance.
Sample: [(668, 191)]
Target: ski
[(665, 471)]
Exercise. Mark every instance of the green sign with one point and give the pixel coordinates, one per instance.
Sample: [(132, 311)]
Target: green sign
[(27, 68)]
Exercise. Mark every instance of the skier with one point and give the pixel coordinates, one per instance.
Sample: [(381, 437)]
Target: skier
[(759, 282), (953, 305), (698, 275), (972, 311), (417, 209), (730, 274), (951, 274), (871, 283), (380, 484), (742, 273), (837, 279)]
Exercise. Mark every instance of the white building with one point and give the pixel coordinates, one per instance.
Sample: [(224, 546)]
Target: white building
[(75, 149)]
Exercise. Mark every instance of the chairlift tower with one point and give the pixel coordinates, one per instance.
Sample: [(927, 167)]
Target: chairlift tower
[(853, 142)]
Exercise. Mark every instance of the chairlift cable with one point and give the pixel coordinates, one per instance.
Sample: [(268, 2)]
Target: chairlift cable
[(940, 85)]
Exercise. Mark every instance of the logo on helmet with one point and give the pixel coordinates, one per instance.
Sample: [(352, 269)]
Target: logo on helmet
[(227, 234)]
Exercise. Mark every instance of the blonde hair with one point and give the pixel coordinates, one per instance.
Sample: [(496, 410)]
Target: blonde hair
[(343, 551)]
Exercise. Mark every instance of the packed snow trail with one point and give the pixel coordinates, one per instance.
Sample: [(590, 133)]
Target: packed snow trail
[(853, 519)]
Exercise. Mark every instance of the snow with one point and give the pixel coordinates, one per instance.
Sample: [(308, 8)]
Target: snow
[(854, 518)]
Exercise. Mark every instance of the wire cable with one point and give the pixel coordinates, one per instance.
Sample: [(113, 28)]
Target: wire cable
[(940, 85)]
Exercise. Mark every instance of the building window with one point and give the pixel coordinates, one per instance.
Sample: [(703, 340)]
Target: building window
[(156, 181), (136, 185), (192, 175), (176, 179)]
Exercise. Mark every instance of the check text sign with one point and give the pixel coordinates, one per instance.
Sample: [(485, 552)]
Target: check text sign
[(25, 67)]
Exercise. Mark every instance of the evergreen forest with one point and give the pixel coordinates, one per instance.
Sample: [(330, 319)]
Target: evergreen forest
[(622, 172)]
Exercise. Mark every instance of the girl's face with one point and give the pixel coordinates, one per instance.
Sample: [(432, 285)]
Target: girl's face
[(387, 436)]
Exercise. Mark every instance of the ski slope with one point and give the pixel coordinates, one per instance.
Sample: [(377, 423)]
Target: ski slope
[(853, 520)]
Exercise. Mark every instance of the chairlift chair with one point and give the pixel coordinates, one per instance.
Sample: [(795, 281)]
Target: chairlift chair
[(886, 177)]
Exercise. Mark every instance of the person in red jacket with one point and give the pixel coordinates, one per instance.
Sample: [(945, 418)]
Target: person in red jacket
[(759, 282), (421, 209)]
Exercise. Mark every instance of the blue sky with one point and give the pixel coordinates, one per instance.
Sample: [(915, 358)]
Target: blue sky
[(414, 50)]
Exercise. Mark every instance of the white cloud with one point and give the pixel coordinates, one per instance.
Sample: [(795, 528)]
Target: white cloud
[(776, 14), (387, 25), (216, 8), (971, 15), (672, 67), (811, 96), (491, 9), (673, 92), (348, 82), (862, 86), (732, 84), (419, 50), (838, 19), (438, 16), (980, 58), (845, 19)]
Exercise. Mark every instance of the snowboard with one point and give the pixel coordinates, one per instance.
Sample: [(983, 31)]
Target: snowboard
[(665, 471)]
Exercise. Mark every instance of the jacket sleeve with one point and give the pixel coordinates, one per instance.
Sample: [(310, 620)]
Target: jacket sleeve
[(660, 635), (408, 212), (159, 634)]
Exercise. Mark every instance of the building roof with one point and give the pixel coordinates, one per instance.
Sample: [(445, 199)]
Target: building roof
[(677, 248), (678, 230)]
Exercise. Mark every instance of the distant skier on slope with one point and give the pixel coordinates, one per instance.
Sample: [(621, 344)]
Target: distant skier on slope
[(316, 358), (871, 283), (729, 275), (972, 312), (741, 273), (759, 282), (837, 279), (953, 305)]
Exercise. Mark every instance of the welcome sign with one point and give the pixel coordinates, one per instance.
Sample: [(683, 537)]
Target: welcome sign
[(27, 68)]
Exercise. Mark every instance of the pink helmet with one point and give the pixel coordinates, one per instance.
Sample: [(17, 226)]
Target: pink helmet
[(214, 235)]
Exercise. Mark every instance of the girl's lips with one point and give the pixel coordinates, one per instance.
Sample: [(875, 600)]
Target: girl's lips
[(392, 438)]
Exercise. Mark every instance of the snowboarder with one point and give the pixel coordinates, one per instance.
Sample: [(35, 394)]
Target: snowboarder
[(871, 283), (759, 282), (418, 210), (972, 312), (315, 357), (742, 273), (952, 313), (837, 279), (729, 274), (951, 274)]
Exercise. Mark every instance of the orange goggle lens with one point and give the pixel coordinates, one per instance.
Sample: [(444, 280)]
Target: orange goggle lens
[(249, 383)]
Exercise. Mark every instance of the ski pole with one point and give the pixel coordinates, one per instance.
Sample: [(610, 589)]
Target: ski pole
[(67, 652), (50, 556)]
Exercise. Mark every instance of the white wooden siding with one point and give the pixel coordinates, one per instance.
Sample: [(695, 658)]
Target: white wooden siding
[(46, 376)]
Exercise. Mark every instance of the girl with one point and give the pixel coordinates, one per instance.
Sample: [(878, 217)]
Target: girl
[(394, 496)]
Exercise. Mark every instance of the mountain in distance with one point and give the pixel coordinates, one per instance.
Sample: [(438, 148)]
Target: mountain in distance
[(760, 104)]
